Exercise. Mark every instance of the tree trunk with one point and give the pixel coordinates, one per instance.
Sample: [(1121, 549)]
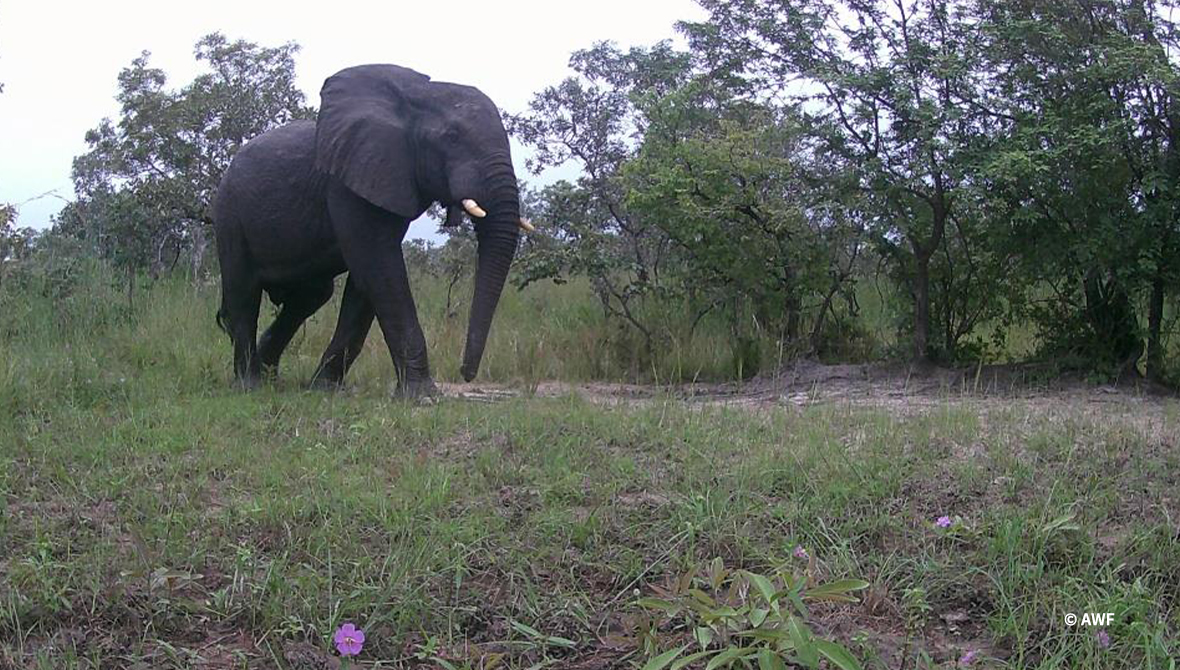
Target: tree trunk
[(1117, 339), (940, 211), (794, 309), (817, 331), (200, 245), (1155, 319), (921, 308)]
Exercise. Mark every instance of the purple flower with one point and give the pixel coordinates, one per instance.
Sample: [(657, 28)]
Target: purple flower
[(1103, 639), (943, 522), (968, 657), (801, 553), (349, 640)]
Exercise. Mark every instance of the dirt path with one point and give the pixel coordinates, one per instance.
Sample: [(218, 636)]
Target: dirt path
[(897, 388)]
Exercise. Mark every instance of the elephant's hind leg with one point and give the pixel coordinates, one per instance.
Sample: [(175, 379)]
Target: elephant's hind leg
[(356, 318), (240, 304), (298, 303)]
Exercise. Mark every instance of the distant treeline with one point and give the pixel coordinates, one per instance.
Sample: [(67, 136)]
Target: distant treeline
[(986, 167)]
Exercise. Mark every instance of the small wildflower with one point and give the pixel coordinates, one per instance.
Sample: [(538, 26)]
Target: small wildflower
[(968, 658), (801, 553), (943, 522), (1103, 639), (349, 640)]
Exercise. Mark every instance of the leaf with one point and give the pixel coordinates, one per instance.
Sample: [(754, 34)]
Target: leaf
[(837, 591), (758, 616), (797, 601), (527, 630), (660, 662), (691, 658), (1063, 523), (717, 573), (560, 642), (704, 636), (765, 588), (838, 655), (727, 657), (801, 636), (659, 604), (767, 635), (702, 597), (768, 660)]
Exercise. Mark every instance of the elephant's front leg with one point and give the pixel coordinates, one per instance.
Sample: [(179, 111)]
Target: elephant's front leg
[(370, 240)]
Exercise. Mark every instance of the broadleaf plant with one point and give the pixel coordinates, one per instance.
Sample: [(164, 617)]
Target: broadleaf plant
[(744, 619)]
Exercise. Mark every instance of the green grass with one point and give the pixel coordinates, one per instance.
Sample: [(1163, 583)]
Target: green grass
[(149, 514)]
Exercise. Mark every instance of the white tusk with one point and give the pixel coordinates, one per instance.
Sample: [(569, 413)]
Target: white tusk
[(526, 226), (473, 208)]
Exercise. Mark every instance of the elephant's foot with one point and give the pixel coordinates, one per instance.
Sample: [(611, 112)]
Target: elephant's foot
[(325, 383), (329, 376), (249, 383), (419, 389)]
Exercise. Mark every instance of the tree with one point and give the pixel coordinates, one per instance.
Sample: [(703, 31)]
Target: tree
[(889, 88), (591, 120), (144, 187), (733, 184), (15, 243), (449, 261), (1091, 170)]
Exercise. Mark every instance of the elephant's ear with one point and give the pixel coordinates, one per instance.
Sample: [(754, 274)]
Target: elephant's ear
[(363, 135)]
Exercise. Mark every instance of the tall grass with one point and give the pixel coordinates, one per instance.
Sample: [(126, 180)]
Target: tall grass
[(70, 331), (84, 333), (150, 514)]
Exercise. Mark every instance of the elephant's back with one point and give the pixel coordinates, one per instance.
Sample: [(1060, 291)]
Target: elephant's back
[(280, 158), (272, 177), (271, 197)]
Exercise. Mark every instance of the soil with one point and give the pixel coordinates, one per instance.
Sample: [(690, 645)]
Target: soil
[(899, 387)]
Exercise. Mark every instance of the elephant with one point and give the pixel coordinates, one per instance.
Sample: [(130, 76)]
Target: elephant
[(310, 200)]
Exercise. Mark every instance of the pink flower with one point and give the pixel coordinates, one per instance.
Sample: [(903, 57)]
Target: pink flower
[(800, 553), (968, 658), (1103, 639), (943, 522), (349, 640)]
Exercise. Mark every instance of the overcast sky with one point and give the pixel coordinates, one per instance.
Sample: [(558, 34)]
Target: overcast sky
[(59, 60)]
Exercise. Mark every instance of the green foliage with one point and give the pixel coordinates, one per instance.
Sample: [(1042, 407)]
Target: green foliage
[(998, 180), (15, 243), (1088, 172), (886, 91), (746, 619), (144, 187), (590, 119), (1011, 167), (732, 193)]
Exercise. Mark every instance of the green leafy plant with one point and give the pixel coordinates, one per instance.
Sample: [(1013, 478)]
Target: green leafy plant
[(743, 619)]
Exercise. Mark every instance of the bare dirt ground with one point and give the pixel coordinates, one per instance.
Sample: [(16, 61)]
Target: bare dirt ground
[(897, 387)]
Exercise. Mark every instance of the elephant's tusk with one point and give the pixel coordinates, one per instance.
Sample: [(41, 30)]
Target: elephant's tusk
[(473, 208), (526, 226)]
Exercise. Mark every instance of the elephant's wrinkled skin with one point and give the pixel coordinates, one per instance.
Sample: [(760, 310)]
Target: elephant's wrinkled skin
[(308, 201)]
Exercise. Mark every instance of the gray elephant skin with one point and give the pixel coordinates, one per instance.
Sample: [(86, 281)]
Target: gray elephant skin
[(306, 202)]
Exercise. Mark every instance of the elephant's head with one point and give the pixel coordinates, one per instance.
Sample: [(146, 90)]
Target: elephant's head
[(402, 141)]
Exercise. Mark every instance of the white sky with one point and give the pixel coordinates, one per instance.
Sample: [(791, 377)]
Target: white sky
[(59, 61)]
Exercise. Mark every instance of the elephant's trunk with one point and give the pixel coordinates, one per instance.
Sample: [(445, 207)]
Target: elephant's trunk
[(497, 236)]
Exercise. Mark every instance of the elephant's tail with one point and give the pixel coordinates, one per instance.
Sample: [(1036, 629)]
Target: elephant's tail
[(222, 318)]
